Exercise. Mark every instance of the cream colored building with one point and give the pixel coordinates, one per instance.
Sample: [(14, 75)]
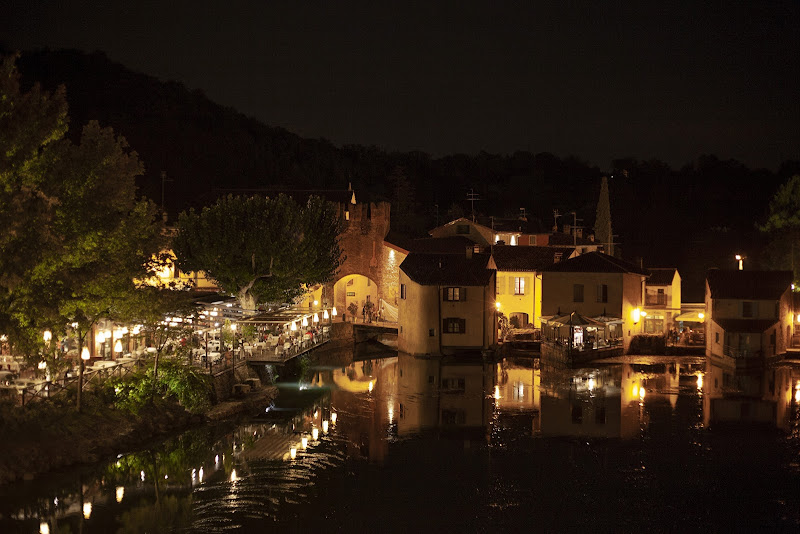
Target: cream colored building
[(596, 284), (446, 303), (749, 314)]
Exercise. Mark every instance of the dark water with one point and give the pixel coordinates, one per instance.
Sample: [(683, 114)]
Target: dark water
[(448, 445)]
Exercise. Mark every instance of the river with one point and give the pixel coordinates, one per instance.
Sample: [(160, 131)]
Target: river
[(408, 444)]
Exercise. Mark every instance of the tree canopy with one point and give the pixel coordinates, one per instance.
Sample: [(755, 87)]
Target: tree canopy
[(261, 249), (77, 235), (783, 227)]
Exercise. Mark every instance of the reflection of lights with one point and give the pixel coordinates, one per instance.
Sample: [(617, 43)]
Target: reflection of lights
[(333, 417), (304, 442), (325, 427), (371, 385), (635, 391), (120, 493), (216, 459), (497, 393), (87, 510), (234, 477), (293, 453), (641, 393), (44, 528), (391, 413), (699, 381), (141, 475), (200, 475), (591, 384), (315, 433), (521, 391), (797, 395), (194, 474), (316, 414), (166, 477)]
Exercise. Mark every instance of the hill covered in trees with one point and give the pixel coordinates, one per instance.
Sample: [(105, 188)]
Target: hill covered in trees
[(693, 218)]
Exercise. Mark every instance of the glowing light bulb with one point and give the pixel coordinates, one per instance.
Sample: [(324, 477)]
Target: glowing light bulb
[(497, 393), (293, 453), (87, 510), (44, 528), (304, 442), (315, 434), (699, 382), (371, 385), (234, 476), (333, 417), (325, 427), (120, 493)]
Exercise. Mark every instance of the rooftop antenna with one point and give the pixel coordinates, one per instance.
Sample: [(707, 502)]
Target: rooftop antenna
[(575, 220), (472, 196), (556, 215)]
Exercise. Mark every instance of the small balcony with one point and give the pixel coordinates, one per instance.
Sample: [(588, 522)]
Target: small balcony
[(655, 300)]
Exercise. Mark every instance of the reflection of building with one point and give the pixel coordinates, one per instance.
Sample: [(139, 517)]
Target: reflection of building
[(442, 393), (593, 403), (446, 303), (595, 285)]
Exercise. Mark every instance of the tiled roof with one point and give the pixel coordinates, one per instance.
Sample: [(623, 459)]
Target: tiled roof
[(746, 326), (509, 258), (457, 244), (754, 285), (595, 262), (454, 269), (661, 277), (560, 239)]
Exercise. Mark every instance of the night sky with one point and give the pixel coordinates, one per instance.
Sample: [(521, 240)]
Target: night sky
[(599, 80)]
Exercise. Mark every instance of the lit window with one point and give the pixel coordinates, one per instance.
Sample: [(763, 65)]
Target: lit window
[(454, 294), (519, 285)]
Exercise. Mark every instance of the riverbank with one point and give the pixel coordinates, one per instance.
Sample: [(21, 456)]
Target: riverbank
[(48, 436)]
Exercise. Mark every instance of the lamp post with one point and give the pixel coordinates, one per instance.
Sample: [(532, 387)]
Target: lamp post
[(84, 357), (740, 259)]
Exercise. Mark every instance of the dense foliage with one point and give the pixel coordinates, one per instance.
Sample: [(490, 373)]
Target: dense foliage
[(261, 249), (176, 380), (77, 236)]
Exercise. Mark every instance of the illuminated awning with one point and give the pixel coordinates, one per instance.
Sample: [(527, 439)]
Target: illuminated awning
[(691, 317)]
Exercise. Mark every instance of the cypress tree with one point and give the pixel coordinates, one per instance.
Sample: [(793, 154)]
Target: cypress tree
[(602, 222)]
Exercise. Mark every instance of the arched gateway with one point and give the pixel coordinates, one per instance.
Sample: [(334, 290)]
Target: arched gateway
[(370, 269)]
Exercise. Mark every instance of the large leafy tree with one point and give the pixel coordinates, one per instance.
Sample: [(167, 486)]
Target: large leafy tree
[(79, 236), (783, 227), (261, 249)]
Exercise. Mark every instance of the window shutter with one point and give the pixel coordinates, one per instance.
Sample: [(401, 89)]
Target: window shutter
[(511, 282), (528, 287)]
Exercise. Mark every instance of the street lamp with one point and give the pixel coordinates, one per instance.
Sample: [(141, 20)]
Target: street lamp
[(333, 313), (84, 357), (740, 259)]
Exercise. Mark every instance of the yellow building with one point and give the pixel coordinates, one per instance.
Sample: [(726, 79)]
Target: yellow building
[(446, 303), (519, 282), (662, 300), (594, 285)]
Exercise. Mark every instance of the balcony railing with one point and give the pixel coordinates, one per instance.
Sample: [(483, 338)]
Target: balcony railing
[(737, 352), (655, 300)]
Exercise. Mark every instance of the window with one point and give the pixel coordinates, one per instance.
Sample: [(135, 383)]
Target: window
[(454, 325), (453, 384), (716, 338), (748, 309), (557, 257), (402, 291), (454, 293), (602, 293), (462, 229), (577, 293), (532, 240), (519, 285), (431, 332)]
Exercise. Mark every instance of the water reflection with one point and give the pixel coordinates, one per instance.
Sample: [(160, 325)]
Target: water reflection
[(478, 442)]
